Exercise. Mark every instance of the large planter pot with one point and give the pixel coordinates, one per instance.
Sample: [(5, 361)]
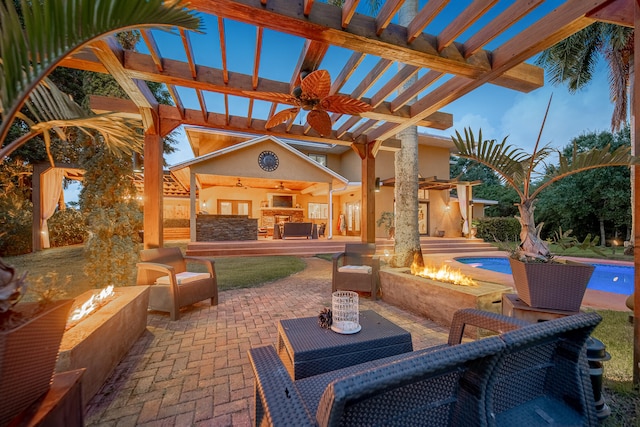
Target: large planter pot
[(28, 356), (554, 286)]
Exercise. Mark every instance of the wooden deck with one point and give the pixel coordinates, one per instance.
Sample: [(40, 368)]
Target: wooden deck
[(311, 247)]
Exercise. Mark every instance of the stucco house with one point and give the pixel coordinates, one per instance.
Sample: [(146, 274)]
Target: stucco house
[(260, 181)]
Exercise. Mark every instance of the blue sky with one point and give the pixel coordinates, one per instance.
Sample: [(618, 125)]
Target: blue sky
[(499, 112)]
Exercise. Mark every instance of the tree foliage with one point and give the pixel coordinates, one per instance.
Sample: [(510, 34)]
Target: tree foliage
[(573, 61), (15, 207), (592, 202)]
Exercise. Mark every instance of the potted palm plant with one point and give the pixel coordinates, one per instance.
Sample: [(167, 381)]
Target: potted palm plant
[(30, 335), (541, 280)]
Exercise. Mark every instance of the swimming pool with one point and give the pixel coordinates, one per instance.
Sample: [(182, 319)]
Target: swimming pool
[(606, 277)]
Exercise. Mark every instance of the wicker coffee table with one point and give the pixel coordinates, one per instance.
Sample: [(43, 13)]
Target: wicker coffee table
[(306, 349)]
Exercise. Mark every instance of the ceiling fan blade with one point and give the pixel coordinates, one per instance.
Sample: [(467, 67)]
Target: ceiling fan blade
[(320, 121), (282, 98), (281, 117), (317, 84), (344, 105)]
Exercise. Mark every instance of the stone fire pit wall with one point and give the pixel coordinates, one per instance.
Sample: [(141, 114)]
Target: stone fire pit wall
[(100, 341), (437, 300)]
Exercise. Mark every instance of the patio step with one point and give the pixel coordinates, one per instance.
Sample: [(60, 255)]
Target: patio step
[(305, 247)]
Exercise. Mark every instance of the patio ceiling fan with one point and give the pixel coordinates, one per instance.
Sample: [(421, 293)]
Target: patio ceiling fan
[(281, 187), (239, 184), (313, 95)]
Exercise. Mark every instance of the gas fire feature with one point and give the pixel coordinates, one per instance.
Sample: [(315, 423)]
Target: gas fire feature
[(100, 340), (444, 273), (437, 300)]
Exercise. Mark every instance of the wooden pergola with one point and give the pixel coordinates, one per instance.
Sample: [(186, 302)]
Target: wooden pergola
[(449, 62)]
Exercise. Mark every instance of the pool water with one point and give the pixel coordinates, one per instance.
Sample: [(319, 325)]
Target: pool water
[(617, 279)]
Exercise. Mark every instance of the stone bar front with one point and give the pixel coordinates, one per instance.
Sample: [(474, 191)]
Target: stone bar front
[(210, 228)]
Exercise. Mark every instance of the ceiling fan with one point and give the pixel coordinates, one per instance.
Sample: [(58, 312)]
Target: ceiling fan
[(281, 187), (313, 95), (239, 184)]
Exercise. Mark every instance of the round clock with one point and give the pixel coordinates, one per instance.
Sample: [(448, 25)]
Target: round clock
[(268, 161)]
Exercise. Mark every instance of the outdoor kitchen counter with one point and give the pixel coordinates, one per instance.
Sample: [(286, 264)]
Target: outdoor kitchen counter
[(211, 228)]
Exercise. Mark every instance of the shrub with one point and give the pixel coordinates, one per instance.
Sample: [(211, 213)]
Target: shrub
[(66, 228), (15, 225), (503, 229)]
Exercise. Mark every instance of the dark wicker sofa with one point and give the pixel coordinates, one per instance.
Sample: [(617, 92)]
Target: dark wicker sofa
[(297, 229), (530, 374)]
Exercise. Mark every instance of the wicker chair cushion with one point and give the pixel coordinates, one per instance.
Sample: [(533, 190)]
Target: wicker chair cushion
[(184, 277), (361, 269)]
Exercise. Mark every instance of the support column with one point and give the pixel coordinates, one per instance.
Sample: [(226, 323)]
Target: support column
[(368, 211), (635, 143), (153, 151), (193, 206), (36, 199)]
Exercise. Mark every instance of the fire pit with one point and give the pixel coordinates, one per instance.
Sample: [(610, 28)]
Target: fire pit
[(438, 300), (100, 340)]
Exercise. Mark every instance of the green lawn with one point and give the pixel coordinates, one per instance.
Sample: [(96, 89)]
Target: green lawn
[(233, 272), (616, 332)]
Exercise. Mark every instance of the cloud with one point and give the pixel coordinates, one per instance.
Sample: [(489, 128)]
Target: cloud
[(570, 115)]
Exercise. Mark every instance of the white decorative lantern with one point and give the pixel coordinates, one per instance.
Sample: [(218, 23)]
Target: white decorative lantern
[(345, 312)]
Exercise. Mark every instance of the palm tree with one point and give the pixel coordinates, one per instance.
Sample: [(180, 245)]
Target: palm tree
[(50, 30), (516, 168), (407, 237), (407, 248), (573, 60)]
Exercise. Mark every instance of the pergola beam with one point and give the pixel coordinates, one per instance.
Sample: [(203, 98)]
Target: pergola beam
[(179, 73), (565, 20), (109, 52), (325, 24)]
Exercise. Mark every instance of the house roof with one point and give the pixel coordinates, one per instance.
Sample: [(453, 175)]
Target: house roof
[(170, 187), (219, 168)]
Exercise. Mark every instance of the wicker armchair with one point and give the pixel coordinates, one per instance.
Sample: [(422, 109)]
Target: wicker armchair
[(530, 374), (171, 285), (356, 269)]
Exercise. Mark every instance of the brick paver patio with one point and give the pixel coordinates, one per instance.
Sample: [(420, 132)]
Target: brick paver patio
[(195, 371)]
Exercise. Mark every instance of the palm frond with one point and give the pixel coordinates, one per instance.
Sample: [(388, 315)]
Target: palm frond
[(54, 29), (586, 160), (573, 60), (54, 110), (508, 161), (119, 133)]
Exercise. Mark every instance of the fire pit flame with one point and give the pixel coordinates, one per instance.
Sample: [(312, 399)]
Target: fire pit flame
[(444, 273), (91, 304)]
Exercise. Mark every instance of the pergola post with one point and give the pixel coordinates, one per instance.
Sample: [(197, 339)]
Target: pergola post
[(153, 180), (193, 206), (368, 211), (36, 199), (635, 142)]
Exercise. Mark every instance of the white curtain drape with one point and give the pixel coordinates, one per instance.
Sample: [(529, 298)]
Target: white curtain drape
[(51, 189), (464, 207)]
